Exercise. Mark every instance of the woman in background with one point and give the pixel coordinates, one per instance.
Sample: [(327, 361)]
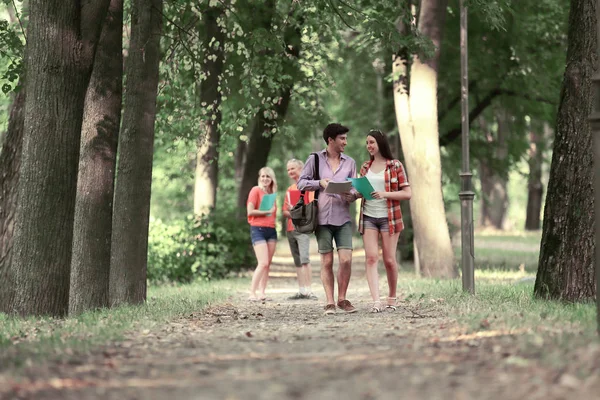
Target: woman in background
[(262, 231), (299, 242)]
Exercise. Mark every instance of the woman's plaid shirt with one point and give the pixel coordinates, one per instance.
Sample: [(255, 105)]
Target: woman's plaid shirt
[(395, 180)]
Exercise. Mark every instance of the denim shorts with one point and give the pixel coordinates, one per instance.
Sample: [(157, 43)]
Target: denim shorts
[(326, 234), (379, 224), (261, 234)]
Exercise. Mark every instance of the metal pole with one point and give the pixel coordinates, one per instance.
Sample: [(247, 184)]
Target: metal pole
[(466, 194), (595, 125)]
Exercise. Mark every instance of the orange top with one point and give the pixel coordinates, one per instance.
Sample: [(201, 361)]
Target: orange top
[(255, 197), (287, 206)]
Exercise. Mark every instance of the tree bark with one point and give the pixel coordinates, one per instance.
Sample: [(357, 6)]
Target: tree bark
[(131, 212), (207, 165), (535, 187), (566, 264), (260, 146), (416, 114), (10, 162), (494, 193), (60, 51), (240, 160), (90, 264), (261, 139)]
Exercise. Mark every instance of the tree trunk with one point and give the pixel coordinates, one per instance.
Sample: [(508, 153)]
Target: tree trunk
[(90, 264), (416, 114), (240, 160), (535, 187), (207, 166), (259, 146), (566, 265), (494, 193), (379, 67), (401, 86), (405, 250), (131, 213), (494, 197), (10, 161), (60, 52)]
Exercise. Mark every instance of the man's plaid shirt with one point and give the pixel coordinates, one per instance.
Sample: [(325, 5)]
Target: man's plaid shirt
[(395, 180)]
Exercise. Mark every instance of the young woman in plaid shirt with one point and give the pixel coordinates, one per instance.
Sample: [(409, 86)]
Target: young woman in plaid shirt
[(382, 215)]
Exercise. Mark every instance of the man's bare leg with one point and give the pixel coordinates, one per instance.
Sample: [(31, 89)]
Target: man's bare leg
[(327, 276), (344, 272)]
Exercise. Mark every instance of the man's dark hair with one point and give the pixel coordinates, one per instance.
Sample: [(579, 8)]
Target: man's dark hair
[(333, 130)]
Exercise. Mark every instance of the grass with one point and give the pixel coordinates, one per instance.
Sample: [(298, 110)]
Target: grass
[(555, 333), (505, 266), (504, 260), (500, 297), (24, 340), (512, 251)]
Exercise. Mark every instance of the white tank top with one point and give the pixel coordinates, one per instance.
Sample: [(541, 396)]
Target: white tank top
[(376, 208)]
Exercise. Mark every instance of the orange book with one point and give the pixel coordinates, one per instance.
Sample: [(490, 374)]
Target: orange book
[(294, 197)]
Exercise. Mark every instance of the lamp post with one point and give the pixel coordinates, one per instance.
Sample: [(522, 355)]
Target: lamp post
[(466, 194), (595, 125)]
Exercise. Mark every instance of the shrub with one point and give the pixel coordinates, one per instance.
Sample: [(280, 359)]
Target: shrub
[(210, 247)]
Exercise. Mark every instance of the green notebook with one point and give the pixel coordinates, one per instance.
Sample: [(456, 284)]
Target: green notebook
[(363, 186), (267, 202)]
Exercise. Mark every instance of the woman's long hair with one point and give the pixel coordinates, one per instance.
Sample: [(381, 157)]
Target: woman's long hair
[(382, 143), (269, 171)]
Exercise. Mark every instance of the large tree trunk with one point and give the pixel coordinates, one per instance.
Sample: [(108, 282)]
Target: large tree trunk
[(131, 212), (566, 265), (261, 138), (401, 69), (60, 51), (535, 187), (10, 162), (90, 265), (259, 146), (494, 193), (207, 165), (416, 114)]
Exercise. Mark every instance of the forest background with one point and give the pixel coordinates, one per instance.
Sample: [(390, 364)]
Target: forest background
[(244, 84)]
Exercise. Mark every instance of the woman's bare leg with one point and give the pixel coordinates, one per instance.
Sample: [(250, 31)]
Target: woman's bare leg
[(371, 245), (389, 244)]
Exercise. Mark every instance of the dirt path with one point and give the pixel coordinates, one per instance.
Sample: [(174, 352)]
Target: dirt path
[(289, 350)]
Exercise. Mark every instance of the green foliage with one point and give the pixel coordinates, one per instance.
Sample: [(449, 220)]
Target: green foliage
[(211, 247), (11, 56), (172, 177), (516, 58), (11, 61)]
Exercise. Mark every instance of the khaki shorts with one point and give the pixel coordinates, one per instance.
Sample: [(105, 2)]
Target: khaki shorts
[(299, 246), (342, 235)]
